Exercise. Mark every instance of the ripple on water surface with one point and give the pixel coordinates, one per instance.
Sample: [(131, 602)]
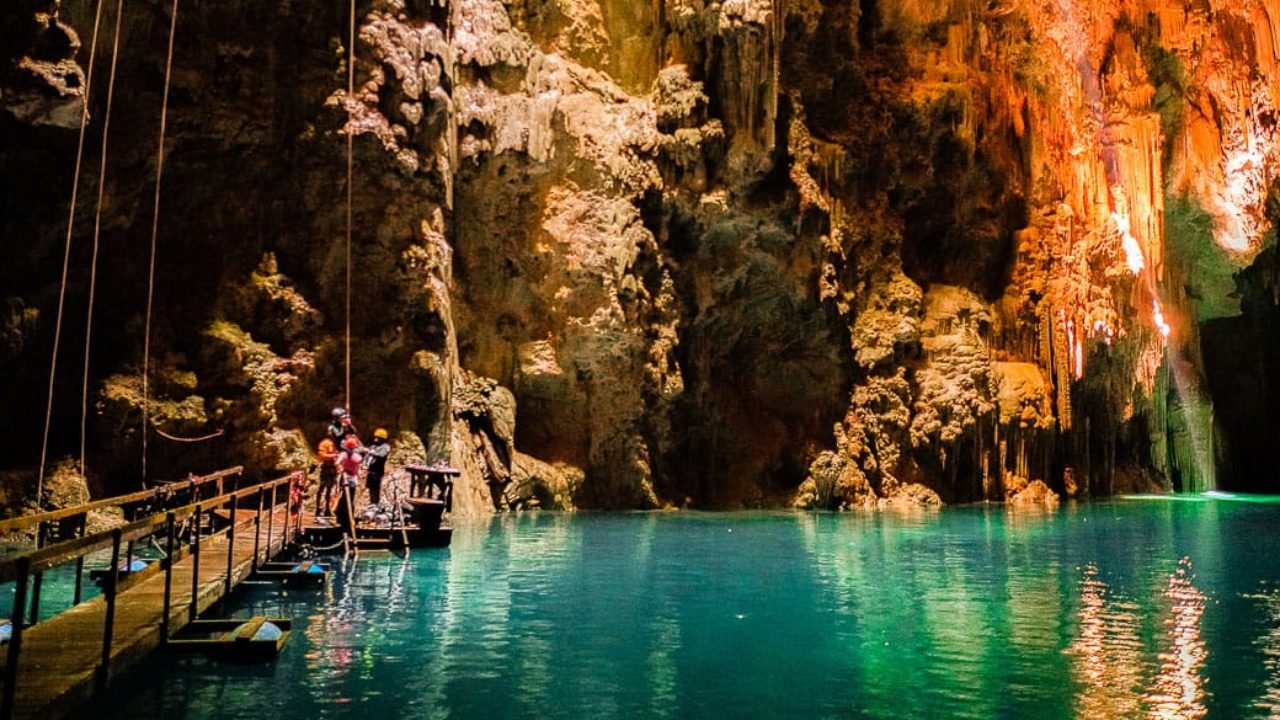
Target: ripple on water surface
[(1125, 609)]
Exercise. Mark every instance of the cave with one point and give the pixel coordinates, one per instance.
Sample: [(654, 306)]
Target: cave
[(632, 360), (666, 264)]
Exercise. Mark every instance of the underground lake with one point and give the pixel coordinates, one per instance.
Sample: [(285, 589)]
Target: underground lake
[(1135, 607)]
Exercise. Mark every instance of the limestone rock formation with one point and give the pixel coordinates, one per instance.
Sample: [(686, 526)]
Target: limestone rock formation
[(619, 255), (1019, 492), (42, 84)]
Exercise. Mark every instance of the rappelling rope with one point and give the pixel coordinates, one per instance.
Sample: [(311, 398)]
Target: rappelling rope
[(351, 87), (155, 225), (66, 254), (97, 227)]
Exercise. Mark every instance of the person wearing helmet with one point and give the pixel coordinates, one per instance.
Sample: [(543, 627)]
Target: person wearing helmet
[(340, 427), (376, 464), (327, 453), (349, 461)]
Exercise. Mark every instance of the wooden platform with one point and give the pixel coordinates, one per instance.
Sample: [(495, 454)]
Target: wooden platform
[(326, 534), (59, 662)]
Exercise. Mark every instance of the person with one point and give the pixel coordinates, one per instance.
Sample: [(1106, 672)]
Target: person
[(349, 460), (341, 427), (376, 464), (328, 455)]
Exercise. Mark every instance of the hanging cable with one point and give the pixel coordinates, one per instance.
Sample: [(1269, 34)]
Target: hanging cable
[(351, 88), (66, 254), (155, 226), (97, 231)]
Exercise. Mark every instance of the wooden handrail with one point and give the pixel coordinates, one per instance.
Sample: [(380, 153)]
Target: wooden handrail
[(26, 521), (61, 552)]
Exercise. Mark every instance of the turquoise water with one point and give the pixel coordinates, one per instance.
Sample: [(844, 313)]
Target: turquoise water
[(57, 587), (1120, 609)]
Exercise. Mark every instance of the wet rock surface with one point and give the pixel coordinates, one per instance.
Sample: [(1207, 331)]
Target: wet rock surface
[(610, 256)]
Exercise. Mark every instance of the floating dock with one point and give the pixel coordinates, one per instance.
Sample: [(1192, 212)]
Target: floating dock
[(255, 639), (423, 527)]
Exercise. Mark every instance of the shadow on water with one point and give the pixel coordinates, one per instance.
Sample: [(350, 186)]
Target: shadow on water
[(1120, 609)]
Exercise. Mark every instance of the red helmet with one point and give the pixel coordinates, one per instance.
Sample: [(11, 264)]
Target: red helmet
[(351, 443)]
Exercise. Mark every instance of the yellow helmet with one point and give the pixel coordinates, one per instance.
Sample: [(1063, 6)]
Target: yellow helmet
[(380, 434)]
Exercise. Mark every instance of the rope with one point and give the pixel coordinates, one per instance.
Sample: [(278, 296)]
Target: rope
[(175, 438), (155, 225), (351, 86), (97, 228), (325, 548), (66, 256)]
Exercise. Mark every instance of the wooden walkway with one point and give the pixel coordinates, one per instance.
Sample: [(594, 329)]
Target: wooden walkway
[(58, 669)]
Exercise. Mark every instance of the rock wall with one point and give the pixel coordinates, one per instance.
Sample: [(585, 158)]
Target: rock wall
[(621, 255)]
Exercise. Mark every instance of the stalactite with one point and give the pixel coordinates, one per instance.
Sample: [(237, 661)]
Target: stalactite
[(1059, 351)]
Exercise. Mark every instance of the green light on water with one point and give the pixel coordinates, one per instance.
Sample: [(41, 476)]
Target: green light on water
[(1188, 498), (1208, 496), (1244, 497)]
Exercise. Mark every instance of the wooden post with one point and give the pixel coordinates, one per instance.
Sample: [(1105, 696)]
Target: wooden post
[(37, 581), (15, 640), (231, 549), (284, 529), (195, 567), (348, 499), (399, 515), (288, 513), (295, 522), (271, 521), (257, 529), (128, 557), (84, 521), (302, 504), (170, 520), (109, 627)]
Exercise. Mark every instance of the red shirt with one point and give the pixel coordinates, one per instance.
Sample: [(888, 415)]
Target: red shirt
[(349, 461)]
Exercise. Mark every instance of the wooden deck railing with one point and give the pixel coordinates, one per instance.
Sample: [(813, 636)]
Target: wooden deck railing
[(22, 567), (166, 491), (189, 490)]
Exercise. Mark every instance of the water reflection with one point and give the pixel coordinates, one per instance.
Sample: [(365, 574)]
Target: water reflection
[(1111, 658), (1268, 645), (966, 613), (1107, 651), (1178, 689)]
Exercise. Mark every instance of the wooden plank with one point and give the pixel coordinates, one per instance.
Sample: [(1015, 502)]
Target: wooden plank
[(58, 665), (246, 631)]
